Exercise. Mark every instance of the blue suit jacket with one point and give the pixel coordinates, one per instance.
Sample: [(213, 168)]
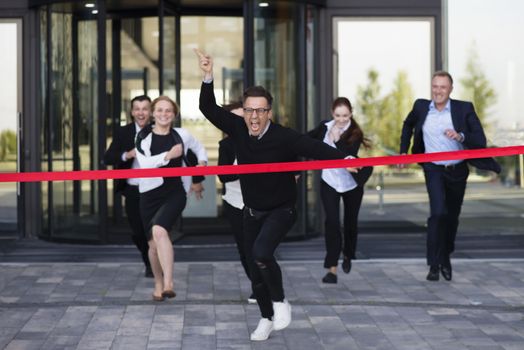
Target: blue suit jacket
[(465, 121)]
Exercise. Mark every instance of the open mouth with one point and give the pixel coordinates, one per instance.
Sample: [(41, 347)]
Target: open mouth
[(255, 127)]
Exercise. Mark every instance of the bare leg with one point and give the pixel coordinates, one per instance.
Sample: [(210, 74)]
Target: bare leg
[(165, 254), (156, 268)]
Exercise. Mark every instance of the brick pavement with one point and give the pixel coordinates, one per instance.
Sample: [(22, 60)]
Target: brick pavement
[(382, 304)]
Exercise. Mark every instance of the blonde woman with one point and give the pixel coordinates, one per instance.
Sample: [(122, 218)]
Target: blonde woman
[(162, 200)]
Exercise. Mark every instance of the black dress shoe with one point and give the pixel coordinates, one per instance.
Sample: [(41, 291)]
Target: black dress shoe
[(346, 265), (149, 272), (446, 272), (433, 274), (329, 278)]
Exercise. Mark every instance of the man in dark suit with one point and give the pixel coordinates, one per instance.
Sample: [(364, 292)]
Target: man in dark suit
[(443, 125), (121, 154)]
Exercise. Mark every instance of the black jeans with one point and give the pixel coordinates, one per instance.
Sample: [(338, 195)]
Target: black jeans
[(132, 208), (264, 230), (331, 202), (235, 217), (446, 188)]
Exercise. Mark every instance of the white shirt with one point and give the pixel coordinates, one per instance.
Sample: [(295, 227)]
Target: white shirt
[(433, 130), (146, 160), (233, 195), (340, 179)]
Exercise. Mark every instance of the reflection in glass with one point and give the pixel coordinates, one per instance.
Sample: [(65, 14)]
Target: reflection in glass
[(276, 56), (312, 182), (382, 72), (169, 43), (139, 61), (70, 122)]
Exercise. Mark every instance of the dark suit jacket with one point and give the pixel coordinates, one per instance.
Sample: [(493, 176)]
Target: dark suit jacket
[(123, 141), (464, 119), (348, 149)]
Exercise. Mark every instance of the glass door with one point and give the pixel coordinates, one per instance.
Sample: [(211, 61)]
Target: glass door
[(11, 102), (221, 37), (71, 120), (382, 72)]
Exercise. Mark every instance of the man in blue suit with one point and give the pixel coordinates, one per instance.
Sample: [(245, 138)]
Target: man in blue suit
[(443, 125)]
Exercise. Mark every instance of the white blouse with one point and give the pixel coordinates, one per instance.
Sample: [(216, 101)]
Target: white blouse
[(148, 161), (339, 179)]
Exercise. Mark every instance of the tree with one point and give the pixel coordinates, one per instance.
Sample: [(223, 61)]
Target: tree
[(395, 106), (369, 104), (477, 88), (7, 144), (383, 116)]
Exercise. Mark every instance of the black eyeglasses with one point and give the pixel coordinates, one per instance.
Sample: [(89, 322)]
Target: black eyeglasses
[(260, 111)]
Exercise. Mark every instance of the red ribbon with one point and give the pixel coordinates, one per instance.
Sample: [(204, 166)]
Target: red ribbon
[(258, 168)]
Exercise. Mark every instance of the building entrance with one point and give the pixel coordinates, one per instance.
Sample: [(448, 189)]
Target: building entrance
[(95, 59)]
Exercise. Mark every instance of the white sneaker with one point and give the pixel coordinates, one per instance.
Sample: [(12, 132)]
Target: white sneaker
[(252, 299), (282, 315), (263, 330)]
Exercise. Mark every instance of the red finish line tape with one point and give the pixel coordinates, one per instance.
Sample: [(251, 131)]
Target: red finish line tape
[(258, 168)]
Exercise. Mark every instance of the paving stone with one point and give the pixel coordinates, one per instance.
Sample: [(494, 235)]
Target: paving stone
[(379, 305)]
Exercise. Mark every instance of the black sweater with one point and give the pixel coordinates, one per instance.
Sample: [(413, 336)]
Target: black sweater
[(264, 191)]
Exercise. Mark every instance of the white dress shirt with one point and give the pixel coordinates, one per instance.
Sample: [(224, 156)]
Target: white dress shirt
[(340, 179), (433, 133)]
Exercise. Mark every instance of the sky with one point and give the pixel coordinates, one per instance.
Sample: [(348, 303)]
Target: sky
[(386, 46)]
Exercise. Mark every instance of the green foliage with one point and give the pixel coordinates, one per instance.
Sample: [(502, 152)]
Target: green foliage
[(383, 116), (7, 144), (477, 88)]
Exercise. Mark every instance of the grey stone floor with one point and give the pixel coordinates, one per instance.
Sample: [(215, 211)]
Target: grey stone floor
[(381, 304)]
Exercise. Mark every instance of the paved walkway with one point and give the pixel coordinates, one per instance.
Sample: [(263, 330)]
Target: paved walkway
[(381, 304)]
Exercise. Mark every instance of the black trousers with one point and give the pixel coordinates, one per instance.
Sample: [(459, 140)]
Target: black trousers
[(446, 188), (264, 230), (132, 208), (334, 243), (235, 217)]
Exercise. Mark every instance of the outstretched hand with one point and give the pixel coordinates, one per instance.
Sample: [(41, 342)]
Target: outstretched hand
[(205, 63), (197, 189), (352, 169)]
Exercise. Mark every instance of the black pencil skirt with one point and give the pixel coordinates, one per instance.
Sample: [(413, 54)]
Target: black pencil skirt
[(162, 206)]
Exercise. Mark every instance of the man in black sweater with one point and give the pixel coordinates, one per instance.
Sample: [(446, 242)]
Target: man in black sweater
[(269, 198)]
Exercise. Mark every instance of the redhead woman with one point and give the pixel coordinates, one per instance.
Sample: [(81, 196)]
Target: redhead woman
[(162, 200)]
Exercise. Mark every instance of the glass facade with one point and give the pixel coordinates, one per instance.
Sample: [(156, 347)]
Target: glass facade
[(92, 64), (148, 53), (221, 36)]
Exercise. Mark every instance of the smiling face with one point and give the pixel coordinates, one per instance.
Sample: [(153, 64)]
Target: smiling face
[(256, 119), (141, 112), (341, 115), (164, 113), (441, 88)]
